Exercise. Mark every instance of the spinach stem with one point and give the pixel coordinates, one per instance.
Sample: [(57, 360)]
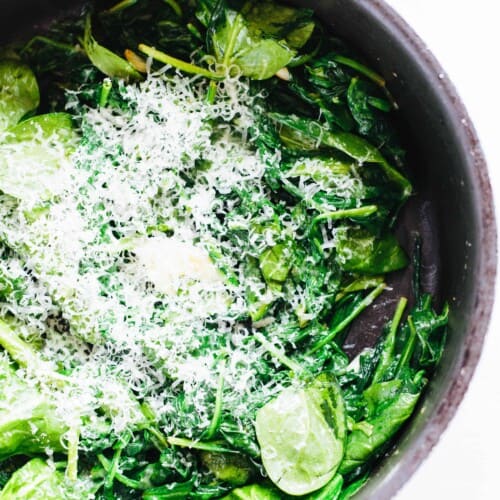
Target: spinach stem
[(364, 70), (49, 41), (212, 91), (365, 211), (174, 6), (214, 424), (215, 446), (353, 315), (106, 87), (277, 354), (124, 4), (408, 350), (131, 483), (388, 350), (113, 469), (73, 439), (178, 63)]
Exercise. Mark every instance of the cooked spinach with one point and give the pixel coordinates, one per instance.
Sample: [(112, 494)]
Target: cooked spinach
[(188, 234)]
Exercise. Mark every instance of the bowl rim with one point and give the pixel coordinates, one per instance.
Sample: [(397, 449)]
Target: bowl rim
[(387, 485)]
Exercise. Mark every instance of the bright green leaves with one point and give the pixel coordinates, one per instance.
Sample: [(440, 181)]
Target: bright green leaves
[(29, 423), (364, 441), (301, 434), (275, 264), (234, 45), (19, 94), (361, 252), (392, 377), (253, 492), (253, 39), (35, 481), (105, 60), (32, 154), (352, 145), (260, 39), (234, 469)]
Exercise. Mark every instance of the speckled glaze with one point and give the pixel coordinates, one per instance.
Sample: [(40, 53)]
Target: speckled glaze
[(453, 207)]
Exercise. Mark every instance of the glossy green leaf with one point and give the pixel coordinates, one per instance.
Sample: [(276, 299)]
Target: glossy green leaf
[(331, 491), (275, 264), (32, 153), (281, 22), (28, 420), (106, 61), (35, 481), (234, 469), (19, 92), (301, 434), (364, 441), (259, 39), (360, 251), (171, 491), (253, 492), (350, 144)]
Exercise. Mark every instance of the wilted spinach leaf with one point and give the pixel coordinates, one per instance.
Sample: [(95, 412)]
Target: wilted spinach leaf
[(31, 154), (105, 60), (260, 38), (360, 251), (301, 434), (19, 92)]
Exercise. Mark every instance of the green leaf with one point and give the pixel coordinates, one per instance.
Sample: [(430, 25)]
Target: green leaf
[(275, 264), (28, 420), (359, 251), (330, 491), (301, 434), (253, 492), (295, 26), (32, 153), (260, 39), (362, 444), (352, 145), (35, 481), (105, 60), (19, 94), (170, 491), (230, 468)]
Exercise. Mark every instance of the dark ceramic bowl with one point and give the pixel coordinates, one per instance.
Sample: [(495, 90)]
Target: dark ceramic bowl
[(452, 209)]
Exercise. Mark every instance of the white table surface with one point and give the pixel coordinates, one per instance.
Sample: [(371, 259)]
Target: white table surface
[(464, 35)]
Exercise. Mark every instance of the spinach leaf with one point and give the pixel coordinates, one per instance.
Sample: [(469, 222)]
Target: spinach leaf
[(105, 60), (275, 264), (364, 441), (19, 92), (259, 39), (32, 153), (170, 491), (369, 109), (330, 491), (34, 426), (234, 469), (301, 434), (253, 492), (352, 145), (360, 251), (35, 481)]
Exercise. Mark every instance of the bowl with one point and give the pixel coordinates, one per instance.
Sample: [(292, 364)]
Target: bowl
[(452, 208)]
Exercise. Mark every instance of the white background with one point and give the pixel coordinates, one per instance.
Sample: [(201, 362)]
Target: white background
[(464, 35)]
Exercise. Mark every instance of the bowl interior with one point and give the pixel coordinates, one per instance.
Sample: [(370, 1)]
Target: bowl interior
[(452, 208)]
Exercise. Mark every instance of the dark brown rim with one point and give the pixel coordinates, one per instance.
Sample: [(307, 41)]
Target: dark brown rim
[(387, 485)]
